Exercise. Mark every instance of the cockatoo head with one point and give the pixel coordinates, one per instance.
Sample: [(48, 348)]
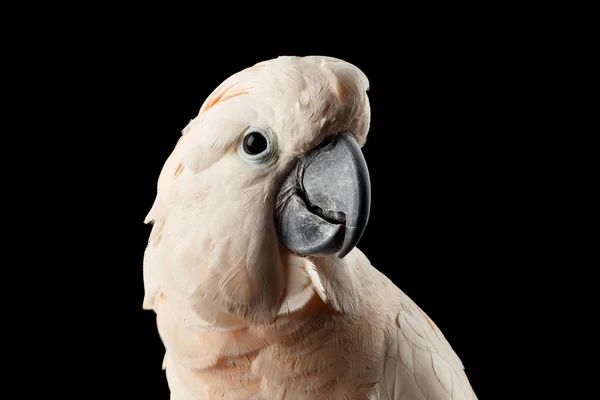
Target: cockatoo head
[(271, 162)]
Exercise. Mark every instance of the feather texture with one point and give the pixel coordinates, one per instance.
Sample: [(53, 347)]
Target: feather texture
[(240, 316)]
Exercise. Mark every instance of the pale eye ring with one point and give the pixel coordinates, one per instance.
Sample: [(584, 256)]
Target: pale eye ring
[(256, 144)]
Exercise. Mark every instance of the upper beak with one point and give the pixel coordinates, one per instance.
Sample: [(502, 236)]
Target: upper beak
[(323, 205)]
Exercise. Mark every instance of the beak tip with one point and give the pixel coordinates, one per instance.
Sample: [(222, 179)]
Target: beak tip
[(343, 254)]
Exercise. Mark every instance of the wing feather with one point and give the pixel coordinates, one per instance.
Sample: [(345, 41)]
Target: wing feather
[(420, 363)]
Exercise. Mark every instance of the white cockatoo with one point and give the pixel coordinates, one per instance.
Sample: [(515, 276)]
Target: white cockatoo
[(251, 265)]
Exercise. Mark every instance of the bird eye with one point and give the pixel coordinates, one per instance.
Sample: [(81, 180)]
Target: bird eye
[(257, 145)]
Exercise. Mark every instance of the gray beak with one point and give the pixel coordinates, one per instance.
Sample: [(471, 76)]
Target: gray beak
[(323, 204)]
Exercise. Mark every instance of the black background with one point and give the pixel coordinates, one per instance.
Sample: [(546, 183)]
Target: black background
[(442, 154)]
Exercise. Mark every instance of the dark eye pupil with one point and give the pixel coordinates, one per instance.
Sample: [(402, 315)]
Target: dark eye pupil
[(255, 143)]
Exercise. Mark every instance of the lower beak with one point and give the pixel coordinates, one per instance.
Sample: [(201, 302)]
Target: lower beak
[(323, 204)]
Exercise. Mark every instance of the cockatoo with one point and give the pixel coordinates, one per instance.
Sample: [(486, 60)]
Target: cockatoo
[(252, 267)]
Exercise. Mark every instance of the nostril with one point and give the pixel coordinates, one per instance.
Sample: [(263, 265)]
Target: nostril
[(329, 139)]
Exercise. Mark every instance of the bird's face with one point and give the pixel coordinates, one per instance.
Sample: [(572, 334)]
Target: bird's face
[(273, 159), (296, 156)]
